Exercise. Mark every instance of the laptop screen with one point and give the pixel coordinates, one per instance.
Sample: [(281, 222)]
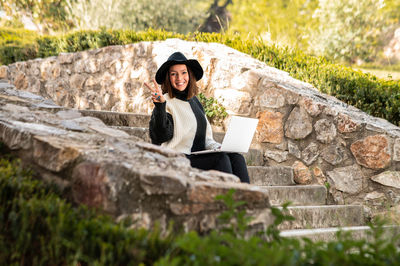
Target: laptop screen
[(239, 135)]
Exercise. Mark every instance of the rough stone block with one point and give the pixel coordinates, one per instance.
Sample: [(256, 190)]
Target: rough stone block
[(272, 97), (313, 108), (310, 153), (345, 124), (270, 127), (388, 178), (302, 174), (299, 124), (348, 179), (13, 138), (53, 153), (372, 152), (271, 176), (278, 156), (162, 183), (334, 154), (325, 130), (89, 186), (396, 150), (3, 72)]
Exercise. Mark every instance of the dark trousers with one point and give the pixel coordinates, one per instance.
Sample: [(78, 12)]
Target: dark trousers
[(232, 163)]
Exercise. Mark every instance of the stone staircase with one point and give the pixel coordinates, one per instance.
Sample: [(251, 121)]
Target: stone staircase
[(313, 217)]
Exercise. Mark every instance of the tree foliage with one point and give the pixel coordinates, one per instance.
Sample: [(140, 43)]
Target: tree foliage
[(342, 30), (47, 15), (392, 10), (283, 21), (180, 16), (350, 30)]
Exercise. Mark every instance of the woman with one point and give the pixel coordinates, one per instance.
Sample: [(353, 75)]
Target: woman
[(178, 120)]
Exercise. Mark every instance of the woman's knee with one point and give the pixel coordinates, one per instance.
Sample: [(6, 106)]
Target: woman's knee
[(224, 163), (237, 158)]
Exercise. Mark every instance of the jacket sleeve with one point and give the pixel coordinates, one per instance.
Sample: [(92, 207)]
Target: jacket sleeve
[(161, 124)]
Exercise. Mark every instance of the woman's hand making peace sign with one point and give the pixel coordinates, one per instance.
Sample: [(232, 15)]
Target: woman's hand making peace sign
[(156, 93)]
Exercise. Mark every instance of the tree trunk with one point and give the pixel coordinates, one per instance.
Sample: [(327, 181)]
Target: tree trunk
[(218, 18)]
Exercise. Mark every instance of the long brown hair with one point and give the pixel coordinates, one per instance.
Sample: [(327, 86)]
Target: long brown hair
[(192, 88)]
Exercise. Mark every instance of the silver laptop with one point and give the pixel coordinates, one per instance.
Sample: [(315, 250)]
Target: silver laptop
[(238, 137)]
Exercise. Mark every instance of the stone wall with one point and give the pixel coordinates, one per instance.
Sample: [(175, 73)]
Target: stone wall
[(326, 141)]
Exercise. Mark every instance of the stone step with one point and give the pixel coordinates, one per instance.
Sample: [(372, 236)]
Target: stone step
[(119, 119), (308, 195), (254, 157), (310, 217), (331, 234), (140, 132), (271, 175)]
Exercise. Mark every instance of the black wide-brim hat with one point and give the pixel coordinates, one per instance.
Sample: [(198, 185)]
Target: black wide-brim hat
[(179, 58)]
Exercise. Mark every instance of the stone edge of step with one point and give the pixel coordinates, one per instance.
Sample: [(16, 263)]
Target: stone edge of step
[(305, 232), (332, 230)]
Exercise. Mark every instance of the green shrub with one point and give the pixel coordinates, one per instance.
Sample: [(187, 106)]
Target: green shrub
[(214, 111), (38, 227), (377, 97), (17, 45)]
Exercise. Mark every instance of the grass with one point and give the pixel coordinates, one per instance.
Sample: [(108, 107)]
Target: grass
[(381, 73)]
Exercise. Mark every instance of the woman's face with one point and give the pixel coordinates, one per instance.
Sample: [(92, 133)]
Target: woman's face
[(179, 77)]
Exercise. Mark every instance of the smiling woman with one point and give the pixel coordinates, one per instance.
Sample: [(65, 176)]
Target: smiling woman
[(178, 120)]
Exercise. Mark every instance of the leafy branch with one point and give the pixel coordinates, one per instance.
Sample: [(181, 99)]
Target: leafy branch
[(213, 109)]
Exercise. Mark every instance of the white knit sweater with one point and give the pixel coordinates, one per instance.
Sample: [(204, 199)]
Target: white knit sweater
[(185, 127)]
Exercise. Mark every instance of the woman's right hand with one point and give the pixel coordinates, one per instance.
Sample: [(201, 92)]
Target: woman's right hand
[(156, 93)]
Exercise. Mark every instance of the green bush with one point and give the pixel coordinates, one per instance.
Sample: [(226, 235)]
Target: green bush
[(17, 45), (213, 110), (380, 98), (38, 227)]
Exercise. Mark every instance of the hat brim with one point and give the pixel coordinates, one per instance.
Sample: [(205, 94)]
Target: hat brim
[(193, 64)]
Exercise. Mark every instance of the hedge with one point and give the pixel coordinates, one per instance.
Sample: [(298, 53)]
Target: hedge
[(377, 97), (17, 45)]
